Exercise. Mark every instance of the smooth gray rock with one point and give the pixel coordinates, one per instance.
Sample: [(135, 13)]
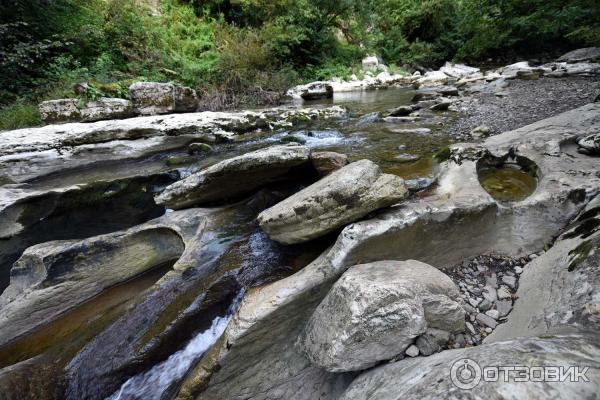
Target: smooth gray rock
[(412, 351), (375, 311), (590, 144), (234, 176), (344, 196), (428, 378)]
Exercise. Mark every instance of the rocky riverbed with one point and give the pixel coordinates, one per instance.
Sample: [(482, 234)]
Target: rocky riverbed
[(345, 246)]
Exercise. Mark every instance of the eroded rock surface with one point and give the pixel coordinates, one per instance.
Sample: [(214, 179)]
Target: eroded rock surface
[(336, 200), (235, 176), (430, 377), (375, 311)]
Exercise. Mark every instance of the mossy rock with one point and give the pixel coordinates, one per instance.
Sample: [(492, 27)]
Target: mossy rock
[(175, 161), (200, 148)]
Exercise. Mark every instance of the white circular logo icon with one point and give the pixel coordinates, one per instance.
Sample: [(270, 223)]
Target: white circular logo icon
[(465, 374)]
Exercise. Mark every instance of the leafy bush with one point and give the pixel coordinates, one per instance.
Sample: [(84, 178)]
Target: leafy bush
[(19, 115)]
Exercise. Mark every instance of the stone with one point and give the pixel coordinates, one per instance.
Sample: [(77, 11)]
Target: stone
[(432, 78), (316, 91), (493, 313), (480, 132), (412, 351), (474, 302), (407, 158), (106, 109), (528, 75), (486, 320), (485, 305), (412, 131), (432, 341), (442, 105), (489, 293), (375, 311), (458, 71), (326, 162), (200, 148), (589, 144), (151, 98), (503, 293), (402, 111), (510, 281), (503, 307), (424, 378), (26, 154), (370, 63), (235, 176), (185, 98), (53, 277), (340, 198), (57, 111), (589, 54)]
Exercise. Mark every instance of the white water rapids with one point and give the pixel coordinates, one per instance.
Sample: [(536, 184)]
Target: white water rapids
[(152, 384)]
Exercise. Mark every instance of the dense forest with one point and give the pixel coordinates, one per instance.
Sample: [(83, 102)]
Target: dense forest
[(249, 51)]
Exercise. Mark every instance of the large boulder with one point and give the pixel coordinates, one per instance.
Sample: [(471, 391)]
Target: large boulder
[(336, 200), (57, 111), (235, 176), (150, 98), (437, 376), (370, 63), (106, 108), (375, 311), (316, 91), (589, 54)]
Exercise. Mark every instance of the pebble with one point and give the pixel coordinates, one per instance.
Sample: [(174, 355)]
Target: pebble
[(503, 293), (488, 330), (474, 302), (518, 270), (486, 320), (485, 305), (412, 351), (489, 293), (511, 281), (493, 313), (504, 307), (470, 328)]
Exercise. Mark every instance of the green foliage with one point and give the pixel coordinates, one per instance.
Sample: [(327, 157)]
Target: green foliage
[(19, 115)]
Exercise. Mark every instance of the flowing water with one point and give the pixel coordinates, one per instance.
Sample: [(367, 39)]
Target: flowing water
[(152, 384), (186, 318)]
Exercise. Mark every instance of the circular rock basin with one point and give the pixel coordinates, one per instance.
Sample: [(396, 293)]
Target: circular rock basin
[(508, 182)]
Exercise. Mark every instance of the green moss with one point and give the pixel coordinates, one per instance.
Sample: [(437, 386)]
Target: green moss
[(179, 160), (20, 115), (443, 154), (579, 254)]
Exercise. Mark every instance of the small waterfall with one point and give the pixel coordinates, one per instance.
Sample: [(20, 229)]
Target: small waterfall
[(152, 384)]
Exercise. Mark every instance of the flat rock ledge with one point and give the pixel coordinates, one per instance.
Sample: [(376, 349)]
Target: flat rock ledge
[(342, 197), (33, 152), (234, 176)]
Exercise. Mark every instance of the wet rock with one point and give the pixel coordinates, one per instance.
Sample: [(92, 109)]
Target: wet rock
[(412, 131), (442, 105), (57, 111), (407, 158), (326, 162), (336, 200), (235, 176), (53, 277), (33, 152), (589, 54), (375, 311), (402, 111), (316, 91), (426, 377), (418, 184), (200, 148)]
